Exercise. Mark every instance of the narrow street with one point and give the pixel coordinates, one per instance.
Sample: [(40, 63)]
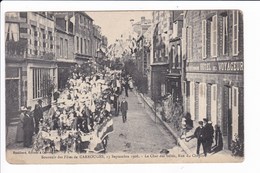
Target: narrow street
[(140, 134)]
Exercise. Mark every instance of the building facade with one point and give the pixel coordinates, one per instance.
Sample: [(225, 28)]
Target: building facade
[(31, 69), (162, 24), (175, 74), (83, 39), (64, 31), (212, 49), (97, 40)]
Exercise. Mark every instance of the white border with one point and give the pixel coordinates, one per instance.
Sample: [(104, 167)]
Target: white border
[(251, 11)]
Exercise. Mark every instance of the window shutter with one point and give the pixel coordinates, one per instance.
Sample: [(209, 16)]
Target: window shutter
[(208, 41), (184, 43), (204, 39), (241, 113)]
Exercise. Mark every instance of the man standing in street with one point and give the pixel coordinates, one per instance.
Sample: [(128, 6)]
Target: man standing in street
[(126, 86), (28, 127), (209, 134), (200, 135), (38, 115), (124, 108)]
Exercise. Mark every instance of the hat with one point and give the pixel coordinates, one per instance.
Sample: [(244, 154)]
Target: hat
[(23, 108), (200, 123), (29, 108), (39, 101), (205, 119)]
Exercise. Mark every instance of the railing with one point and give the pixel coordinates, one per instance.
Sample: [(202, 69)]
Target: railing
[(15, 48)]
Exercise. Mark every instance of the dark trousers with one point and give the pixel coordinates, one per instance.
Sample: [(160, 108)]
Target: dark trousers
[(209, 145), (124, 113), (126, 91), (203, 143)]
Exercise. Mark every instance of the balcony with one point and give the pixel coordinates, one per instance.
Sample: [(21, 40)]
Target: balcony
[(15, 19), (15, 49), (82, 56)]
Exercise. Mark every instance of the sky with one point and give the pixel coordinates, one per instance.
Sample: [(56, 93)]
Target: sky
[(113, 24)]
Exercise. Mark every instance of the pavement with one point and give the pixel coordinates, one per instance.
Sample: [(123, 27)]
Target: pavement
[(189, 147), (140, 134)]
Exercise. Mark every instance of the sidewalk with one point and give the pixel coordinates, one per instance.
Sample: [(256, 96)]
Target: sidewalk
[(190, 146)]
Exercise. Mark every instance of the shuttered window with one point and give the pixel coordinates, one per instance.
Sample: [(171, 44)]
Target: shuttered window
[(184, 43), (204, 39), (214, 36), (235, 33)]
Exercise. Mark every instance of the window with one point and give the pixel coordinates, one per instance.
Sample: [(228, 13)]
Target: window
[(175, 29), (78, 44), (41, 82), (81, 45), (235, 33), (89, 49), (184, 42), (235, 97), (66, 48), (225, 35), (85, 44), (178, 56), (61, 47), (23, 30), (12, 31), (50, 35), (189, 43), (204, 39), (214, 32), (173, 54)]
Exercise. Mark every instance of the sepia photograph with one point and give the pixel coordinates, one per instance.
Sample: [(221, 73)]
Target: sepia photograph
[(155, 86)]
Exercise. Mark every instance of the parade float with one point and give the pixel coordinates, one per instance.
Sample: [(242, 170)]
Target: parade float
[(80, 119)]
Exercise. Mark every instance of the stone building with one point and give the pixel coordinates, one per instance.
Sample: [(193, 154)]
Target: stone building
[(64, 32), (212, 49), (162, 25), (83, 39), (175, 74), (31, 69)]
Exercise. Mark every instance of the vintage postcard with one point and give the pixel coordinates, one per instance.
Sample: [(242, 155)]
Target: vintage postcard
[(124, 86)]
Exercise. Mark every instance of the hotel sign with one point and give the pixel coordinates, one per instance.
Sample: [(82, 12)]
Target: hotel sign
[(218, 67)]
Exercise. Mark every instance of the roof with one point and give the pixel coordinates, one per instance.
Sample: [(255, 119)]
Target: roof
[(85, 14)]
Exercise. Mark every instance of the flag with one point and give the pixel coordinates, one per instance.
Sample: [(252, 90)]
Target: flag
[(105, 128)]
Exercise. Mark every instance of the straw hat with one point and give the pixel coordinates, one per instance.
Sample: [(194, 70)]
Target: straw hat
[(23, 108)]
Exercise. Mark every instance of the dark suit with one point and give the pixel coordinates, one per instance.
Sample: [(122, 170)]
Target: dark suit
[(124, 108), (209, 130), (38, 115), (201, 140), (28, 127)]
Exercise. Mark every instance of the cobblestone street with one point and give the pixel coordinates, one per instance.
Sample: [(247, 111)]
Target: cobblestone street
[(140, 134)]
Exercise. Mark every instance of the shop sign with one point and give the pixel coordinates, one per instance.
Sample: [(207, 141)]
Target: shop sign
[(220, 66)]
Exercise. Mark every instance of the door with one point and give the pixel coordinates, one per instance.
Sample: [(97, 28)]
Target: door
[(202, 101), (234, 112), (12, 99), (227, 115), (192, 100), (213, 106)]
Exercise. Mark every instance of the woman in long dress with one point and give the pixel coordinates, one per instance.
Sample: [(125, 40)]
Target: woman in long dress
[(20, 131)]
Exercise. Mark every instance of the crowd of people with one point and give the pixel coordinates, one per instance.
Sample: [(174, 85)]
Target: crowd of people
[(86, 102)]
